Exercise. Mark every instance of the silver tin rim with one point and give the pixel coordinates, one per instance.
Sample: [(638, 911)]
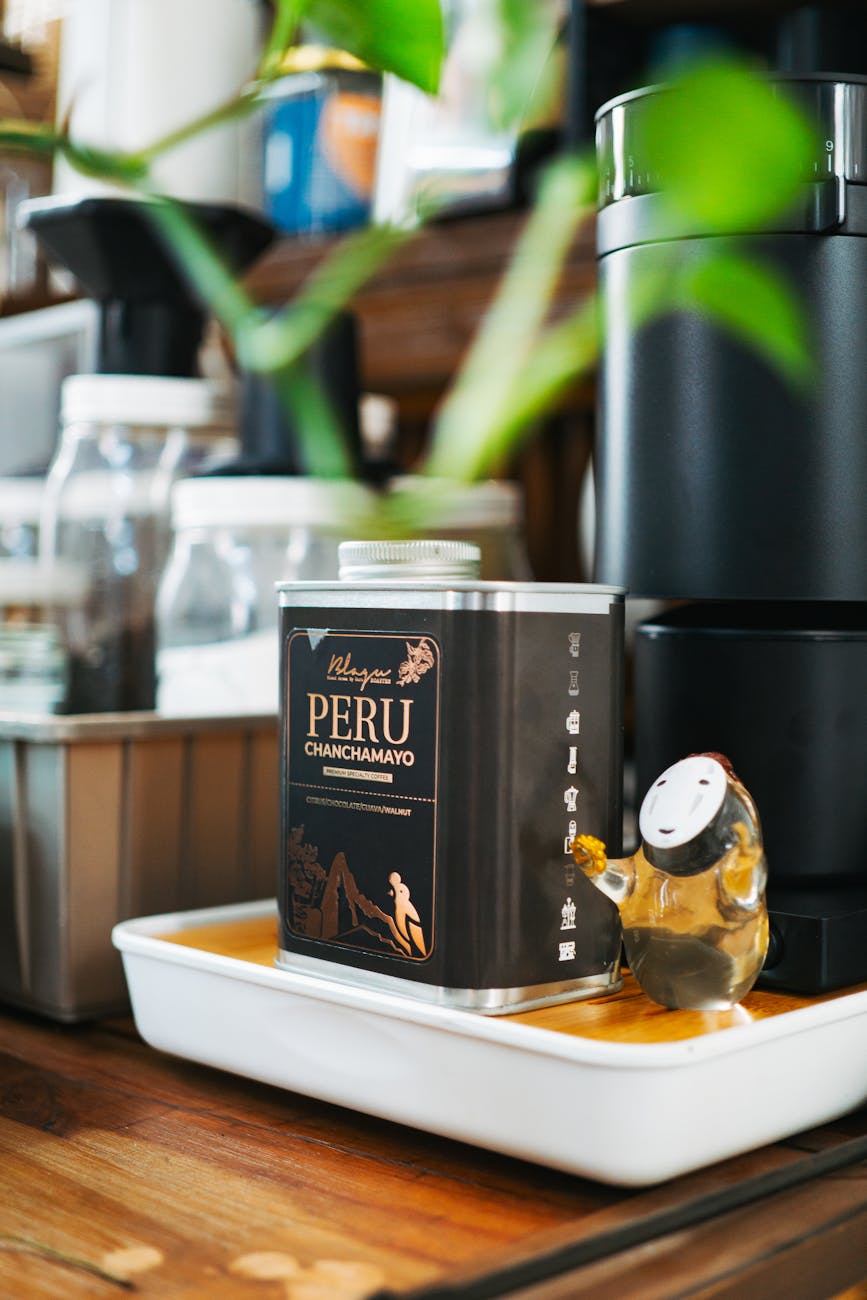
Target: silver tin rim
[(491, 1001), (499, 597)]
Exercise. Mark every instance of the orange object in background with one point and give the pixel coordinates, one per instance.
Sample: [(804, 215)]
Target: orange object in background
[(321, 135), (349, 130)]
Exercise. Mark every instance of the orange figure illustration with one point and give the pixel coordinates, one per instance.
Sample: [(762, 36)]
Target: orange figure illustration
[(407, 924)]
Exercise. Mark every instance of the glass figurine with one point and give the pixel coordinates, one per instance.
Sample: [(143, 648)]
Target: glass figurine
[(692, 899)]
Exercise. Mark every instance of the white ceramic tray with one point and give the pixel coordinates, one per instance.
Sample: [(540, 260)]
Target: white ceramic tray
[(624, 1112)]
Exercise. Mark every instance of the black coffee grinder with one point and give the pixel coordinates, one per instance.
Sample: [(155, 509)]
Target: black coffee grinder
[(720, 486)]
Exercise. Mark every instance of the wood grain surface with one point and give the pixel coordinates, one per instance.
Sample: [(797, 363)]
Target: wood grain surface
[(186, 1182), (126, 1170)]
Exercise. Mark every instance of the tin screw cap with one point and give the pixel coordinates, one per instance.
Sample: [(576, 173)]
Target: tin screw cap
[(420, 560)]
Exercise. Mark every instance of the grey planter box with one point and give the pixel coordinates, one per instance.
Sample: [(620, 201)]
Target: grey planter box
[(111, 816)]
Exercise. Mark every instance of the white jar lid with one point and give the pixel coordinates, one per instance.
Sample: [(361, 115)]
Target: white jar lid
[(269, 501), (146, 400), (21, 500), (36, 582), (448, 503), (426, 560), (102, 495)]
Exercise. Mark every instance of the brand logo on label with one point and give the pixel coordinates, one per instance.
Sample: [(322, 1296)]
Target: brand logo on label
[(342, 669), (419, 660)]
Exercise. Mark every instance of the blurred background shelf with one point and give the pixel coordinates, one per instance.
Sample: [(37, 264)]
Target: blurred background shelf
[(419, 314), (415, 321), (14, 59)]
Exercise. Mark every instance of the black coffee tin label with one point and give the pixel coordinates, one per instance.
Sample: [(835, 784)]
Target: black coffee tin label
[(361, 790), (438, 757)]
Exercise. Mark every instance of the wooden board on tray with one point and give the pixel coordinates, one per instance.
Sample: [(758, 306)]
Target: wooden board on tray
[(625, 1017)]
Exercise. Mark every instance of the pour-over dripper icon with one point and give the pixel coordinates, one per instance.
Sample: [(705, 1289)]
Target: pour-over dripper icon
[(692, 899)]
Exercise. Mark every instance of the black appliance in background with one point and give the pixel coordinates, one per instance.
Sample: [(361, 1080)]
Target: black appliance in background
[(269, 436), (720, 487), (616, 47), (151, 320)]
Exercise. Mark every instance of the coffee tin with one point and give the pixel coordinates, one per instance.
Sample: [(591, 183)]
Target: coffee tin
[(441, 741)]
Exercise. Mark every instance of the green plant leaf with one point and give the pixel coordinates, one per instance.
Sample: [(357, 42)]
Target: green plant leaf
[(321, 442), (203, 267), (729, 148), (400, 36), (274, 345), (562, 355), (524, 79), (281, 339), (478, 406), (758, 305), (284, 25)]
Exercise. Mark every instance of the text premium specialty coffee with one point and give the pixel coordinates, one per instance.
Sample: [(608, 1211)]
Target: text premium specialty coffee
[(441, 738)]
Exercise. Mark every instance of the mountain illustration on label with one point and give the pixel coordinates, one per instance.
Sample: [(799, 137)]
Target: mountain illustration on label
[(329, 905)]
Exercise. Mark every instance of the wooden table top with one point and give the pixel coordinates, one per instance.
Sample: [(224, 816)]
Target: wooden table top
[(127, 1171)]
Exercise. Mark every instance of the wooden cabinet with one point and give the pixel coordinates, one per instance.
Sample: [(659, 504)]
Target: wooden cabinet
[(418, 315)]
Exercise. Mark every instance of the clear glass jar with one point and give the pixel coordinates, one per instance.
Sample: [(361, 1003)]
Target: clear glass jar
[(234, 539), (33, 662), (20, 509), (125, 440)]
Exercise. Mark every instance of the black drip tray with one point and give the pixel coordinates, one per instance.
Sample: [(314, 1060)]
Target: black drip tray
[(818, 940)]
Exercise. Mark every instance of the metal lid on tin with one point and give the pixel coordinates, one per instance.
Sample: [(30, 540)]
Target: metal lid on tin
[(420, 561)]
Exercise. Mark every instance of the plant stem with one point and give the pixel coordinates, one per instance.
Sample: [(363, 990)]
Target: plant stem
[(488, 385), (246, 101), (286, 19), (204, 267), (282, 339), (563, 353), (20, 136), (323, 449)]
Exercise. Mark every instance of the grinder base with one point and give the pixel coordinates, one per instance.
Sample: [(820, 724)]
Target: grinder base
[(818, 939)]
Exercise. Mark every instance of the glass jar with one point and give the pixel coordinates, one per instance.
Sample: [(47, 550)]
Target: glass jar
[(489, 515), (234, 539), (33, 663), (125, 439), (20, 510)]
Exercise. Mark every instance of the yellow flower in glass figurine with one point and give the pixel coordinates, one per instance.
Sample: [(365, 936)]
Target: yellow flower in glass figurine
[(692, 899)]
